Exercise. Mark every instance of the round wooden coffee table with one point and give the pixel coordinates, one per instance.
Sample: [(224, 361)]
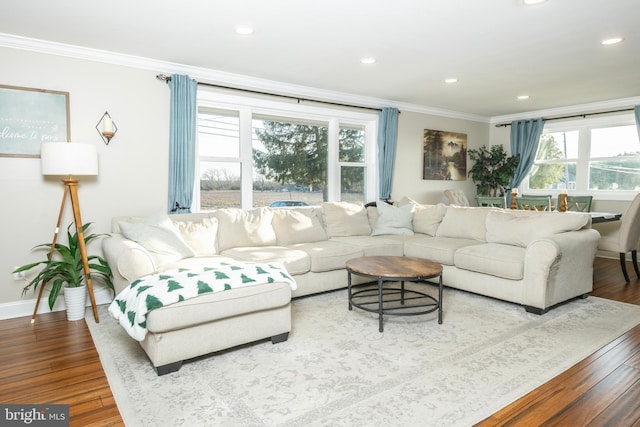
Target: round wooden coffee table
[(386, 299)]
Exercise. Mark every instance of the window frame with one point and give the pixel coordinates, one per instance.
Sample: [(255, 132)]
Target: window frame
[(584, 127), (248, 106)]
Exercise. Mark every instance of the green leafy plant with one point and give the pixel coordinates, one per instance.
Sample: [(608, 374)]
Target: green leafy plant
[(64, 267), (492, 170)]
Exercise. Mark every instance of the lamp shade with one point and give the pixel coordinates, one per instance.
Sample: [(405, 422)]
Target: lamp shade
[(68, 158)]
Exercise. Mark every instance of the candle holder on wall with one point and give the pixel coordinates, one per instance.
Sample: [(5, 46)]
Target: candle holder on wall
[(106, 127)]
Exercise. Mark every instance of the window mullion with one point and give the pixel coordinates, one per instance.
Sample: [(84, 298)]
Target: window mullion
[(246, 160), (333, 166)]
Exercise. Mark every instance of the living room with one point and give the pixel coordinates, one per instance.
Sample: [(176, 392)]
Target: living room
[(133, 173)]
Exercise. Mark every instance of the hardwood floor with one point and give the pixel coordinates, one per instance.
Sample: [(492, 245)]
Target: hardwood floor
[(55, 362)]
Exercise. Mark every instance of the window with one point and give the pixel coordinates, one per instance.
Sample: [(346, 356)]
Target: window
[(255, 152), (598, 156)]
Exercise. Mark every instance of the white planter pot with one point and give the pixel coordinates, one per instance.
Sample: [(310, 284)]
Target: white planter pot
[(75, 300)]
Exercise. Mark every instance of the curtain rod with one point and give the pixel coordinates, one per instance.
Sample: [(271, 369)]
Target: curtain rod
[(584, 116), (167, 78)]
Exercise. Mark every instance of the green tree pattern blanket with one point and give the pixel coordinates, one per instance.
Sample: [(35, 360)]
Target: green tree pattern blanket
[(131, 306)]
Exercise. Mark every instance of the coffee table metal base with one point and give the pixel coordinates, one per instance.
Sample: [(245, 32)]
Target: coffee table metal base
[(394, 300)]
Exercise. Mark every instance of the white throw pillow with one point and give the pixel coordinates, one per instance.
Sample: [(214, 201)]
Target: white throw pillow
[(240, 228), (427, 218), (464, 223), (393, 219), (513, 229), (158, 235), (297, 226), (345, 219), (199, 235)]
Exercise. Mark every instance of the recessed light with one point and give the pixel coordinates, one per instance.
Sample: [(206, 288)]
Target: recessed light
[(523, 97), (612, 40), (451, 80), (368, 60), (244, 30), (533, 2)]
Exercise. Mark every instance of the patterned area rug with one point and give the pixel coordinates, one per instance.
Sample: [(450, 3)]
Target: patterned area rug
[(336, 369)]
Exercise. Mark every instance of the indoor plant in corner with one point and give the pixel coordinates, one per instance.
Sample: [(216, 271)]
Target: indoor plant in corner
[(492, 170), (63, 268)]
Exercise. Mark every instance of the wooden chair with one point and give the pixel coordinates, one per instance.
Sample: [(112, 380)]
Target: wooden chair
[(579, 203), (534, 203), (628, 238), (456, 197), (496, 202)]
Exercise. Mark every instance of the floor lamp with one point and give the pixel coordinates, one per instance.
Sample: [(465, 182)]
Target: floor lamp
[(70, 159)]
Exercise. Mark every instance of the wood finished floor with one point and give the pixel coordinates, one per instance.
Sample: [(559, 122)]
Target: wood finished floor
[(55, 362)]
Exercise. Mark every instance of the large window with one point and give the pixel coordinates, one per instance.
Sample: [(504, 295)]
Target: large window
[(600, 157), (256, 152)]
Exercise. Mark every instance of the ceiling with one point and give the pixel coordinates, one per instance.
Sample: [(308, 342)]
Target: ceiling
[(497, 49)]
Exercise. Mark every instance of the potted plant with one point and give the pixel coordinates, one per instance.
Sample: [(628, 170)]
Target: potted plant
[(492, 170), (64, 268)]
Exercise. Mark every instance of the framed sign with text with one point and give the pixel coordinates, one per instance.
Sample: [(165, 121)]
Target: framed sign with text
[(29, 117)]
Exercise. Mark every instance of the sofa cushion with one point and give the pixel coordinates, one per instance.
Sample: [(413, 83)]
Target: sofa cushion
[(437, 249), (393, 219), (520, 230), (159, 236), (375, 245), (329, 255), (295, 261), (218, 305), (238, 228), (427, 218), (297, 226), (200, 234), (345, 219), (464, 223), (492, 258)]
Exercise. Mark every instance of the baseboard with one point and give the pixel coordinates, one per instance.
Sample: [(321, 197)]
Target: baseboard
[(11, 310)]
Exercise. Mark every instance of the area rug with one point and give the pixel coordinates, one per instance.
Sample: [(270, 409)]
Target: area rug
[(336, 369)]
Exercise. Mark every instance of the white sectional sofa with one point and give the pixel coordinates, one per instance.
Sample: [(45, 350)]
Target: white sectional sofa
[(535, 259)]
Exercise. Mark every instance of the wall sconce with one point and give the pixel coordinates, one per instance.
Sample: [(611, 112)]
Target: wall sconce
[(106, 128)]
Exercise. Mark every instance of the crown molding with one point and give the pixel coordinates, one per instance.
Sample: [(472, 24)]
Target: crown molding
[(593, 107), (219, 77)]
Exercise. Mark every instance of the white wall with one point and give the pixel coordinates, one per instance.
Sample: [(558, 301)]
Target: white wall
[(407, 176), (133, 167)]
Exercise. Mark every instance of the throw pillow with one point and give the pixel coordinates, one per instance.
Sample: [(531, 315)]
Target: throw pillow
[(199, 235), (158, 235), (514, 229), (345, 219), (393, 220), (240, 228), (427, 218), (297, 226)]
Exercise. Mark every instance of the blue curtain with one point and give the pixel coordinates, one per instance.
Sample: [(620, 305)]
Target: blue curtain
[(387, 140), (636, 110), (525, 138), (182, 143)]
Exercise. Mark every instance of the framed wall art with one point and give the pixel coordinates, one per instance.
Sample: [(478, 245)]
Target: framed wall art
[(29, 117), (444, 155)]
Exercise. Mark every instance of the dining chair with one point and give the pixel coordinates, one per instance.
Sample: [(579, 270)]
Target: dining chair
[(534, 203), (496, 202), (627, 239), (456, 197), (579, 203)]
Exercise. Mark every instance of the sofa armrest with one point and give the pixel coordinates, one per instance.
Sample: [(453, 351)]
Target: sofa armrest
[(559, 267), (128, 260)]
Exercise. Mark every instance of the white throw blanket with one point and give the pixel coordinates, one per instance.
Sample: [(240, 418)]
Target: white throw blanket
[(130, 307)]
